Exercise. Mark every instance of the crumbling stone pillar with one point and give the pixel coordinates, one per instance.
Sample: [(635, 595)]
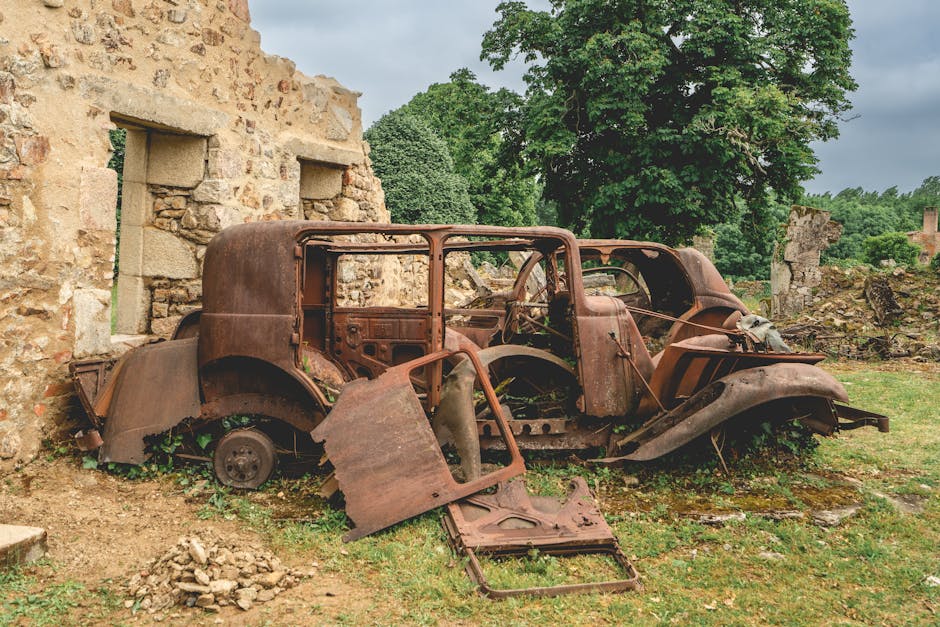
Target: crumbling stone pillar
[(928, 239), (705, 244), (794, 270)]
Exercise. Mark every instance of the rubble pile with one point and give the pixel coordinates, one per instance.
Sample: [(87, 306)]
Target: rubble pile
[(210, 574), (859, 313)]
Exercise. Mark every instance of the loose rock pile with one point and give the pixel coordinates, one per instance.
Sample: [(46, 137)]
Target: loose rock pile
[(860, 313), (209, 573)]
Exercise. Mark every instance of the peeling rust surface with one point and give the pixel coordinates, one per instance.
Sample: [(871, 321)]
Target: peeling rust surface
[(156, 388), (728, 397), (511, 522), (387, 460), (273, 340)]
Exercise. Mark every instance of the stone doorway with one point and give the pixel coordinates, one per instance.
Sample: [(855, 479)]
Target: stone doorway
[(161, 170)]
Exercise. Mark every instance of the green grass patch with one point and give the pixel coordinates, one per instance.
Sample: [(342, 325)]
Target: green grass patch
[(871, 569), (23, 601)]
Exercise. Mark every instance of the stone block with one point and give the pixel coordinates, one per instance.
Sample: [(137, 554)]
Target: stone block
[(136, 204), (133, 305), (166, 255), (176, 160), (131, 258), (123, 6), (32, 149), (92, 315), (320, 182), (164, 327), (345, 209), (7, 87), (98, 199), (135, 157), (339, 123), (227, 216), (213, 190), (225, 164), (21, 545), (10, 442), (239, 9)]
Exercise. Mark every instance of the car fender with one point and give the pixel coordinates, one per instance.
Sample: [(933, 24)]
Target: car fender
[(724, 399), (153, 388)]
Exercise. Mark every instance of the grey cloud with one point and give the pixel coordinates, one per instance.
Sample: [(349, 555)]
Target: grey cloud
[(392, 49)]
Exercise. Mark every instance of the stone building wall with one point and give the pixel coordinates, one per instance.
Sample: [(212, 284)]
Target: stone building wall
[(218, 132)]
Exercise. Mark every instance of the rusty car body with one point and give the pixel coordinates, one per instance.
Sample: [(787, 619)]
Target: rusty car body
[(650, 358)]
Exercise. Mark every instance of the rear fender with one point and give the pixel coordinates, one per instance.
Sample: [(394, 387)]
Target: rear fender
[(725, 399), (152, 389)]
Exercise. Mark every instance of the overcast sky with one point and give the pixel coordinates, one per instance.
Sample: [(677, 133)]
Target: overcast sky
[(391, 49)]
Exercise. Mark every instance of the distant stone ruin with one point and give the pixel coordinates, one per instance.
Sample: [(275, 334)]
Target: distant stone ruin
[(928, 239), (218, 133), (794, 269)]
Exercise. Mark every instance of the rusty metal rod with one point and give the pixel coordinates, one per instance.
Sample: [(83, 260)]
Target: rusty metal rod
[(545, 327), (656, 314), (625, 354)]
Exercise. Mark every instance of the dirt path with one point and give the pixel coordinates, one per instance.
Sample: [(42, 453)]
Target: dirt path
[(102, 529)]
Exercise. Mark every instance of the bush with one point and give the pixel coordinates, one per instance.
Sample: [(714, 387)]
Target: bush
[(890, 246), (417, 173), (935, 263)]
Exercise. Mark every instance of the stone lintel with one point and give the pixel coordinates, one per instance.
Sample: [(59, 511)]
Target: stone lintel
[(322, 152), (135, 105)]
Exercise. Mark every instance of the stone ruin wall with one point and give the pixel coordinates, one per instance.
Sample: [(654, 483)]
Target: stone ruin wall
[(218, 132), (794, 268), (928, 239)]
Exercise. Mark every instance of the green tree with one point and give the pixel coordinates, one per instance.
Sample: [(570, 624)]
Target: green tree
[(743, 247), (118, 137), (480, 128), (417, 172), (890, 246), (865, 214), (648, 118)]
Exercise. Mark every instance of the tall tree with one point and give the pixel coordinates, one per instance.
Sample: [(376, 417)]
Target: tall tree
[(417, 172), (648, 118), (480, 128)]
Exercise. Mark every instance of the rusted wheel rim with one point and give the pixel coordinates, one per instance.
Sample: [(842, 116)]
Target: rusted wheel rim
[(244, 458)]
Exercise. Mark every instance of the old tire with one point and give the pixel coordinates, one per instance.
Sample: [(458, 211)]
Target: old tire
[(244, 458)]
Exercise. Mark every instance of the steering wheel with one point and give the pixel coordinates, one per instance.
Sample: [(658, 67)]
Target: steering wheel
[(639, 298)]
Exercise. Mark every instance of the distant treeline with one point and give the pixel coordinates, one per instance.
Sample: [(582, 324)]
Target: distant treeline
[(743, 250)]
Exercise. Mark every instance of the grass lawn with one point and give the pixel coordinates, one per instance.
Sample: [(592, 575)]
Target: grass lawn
[(870, 569), (873, 568)]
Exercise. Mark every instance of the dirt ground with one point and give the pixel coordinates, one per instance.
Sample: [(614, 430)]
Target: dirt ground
[(103, 528)]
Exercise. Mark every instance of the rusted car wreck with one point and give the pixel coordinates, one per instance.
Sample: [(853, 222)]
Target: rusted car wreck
[(557, 359)]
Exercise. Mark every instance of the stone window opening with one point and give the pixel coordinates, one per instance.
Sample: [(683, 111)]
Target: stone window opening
[(321, 185), (160, 239)]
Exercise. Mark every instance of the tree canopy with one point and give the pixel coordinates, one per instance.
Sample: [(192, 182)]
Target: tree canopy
[(651, 118), (480, 129), (417, 172)]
